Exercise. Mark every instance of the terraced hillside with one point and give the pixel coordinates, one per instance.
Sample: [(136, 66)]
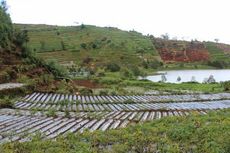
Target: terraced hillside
[(58, 114), (93, 46), (77, 43), (218, 52)]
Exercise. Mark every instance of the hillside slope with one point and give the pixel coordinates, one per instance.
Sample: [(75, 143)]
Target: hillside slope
[(98, 46), (79, 43)]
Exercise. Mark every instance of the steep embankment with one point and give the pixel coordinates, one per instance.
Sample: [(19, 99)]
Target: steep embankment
[(181, 51)]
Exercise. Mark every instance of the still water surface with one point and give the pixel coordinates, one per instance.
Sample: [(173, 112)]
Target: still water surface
[(188, 75)]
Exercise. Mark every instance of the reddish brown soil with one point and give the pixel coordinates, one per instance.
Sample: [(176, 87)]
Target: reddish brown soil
[(180, 51), (86, 83), (36, 72)]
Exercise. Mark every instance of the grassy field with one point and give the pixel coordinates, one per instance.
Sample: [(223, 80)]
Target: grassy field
[(194, 133), (80, 42), (97, 46), (217, 53)]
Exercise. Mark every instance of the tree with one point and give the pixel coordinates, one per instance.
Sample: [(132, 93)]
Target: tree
[(43, 44), (216, 40), (165, 36), (6, 27), (4, 6), (83, 26), (20, 37), (113, 67), (163, 78), (178, 79)]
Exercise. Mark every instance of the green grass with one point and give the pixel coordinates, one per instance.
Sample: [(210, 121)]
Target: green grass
[(113, 83), (194, 133), (65, 44), (209, 88), (6, 102), (216, 53)]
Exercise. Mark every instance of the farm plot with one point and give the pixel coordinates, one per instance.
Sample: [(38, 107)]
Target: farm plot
[(74, 113), (54, 98), (23, 126), (76, 103)]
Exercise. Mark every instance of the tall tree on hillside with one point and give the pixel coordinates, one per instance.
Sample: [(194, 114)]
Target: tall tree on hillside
[(6, 27), (165, 36), (216, 40)]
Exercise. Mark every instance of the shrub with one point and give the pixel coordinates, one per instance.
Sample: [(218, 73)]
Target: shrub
[(113, 67), (126, 74), (6, 27), (135, 70), (83, 26), (6, 102), (47, 78), (103, 92), (86, 91), (51, 113), (56, 69), (217, 64), (83, 45), (226, 85), (51, 65)]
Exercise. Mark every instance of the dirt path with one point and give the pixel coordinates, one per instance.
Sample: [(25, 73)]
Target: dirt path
[(10, 85)]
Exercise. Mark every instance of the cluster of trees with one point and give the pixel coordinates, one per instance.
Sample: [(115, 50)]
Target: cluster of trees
[(10, 37), (218, 64), (6, 27)]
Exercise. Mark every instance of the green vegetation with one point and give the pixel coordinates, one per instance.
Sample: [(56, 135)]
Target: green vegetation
[(6, 27), (226, 85), (218, 58), (90, 46), (193, 133), (51, 113), (6, 102)]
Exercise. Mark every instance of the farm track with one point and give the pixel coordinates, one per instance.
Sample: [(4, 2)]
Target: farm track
[(96, 112), (10, 86)]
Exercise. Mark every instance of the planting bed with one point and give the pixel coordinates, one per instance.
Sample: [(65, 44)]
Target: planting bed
[(74, 113)]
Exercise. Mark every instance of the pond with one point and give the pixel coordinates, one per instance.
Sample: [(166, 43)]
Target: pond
[(201, 76)]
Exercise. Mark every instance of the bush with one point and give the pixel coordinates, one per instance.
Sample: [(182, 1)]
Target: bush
[(126, 74), (47, 78), (6, 102), (51, 65), (51, 113), (56, 69), (83, 45), (6, 27), (226, 85), (103, 92), (218, 64), (86, 91), (135, 70), (113, 67), (154, 64)]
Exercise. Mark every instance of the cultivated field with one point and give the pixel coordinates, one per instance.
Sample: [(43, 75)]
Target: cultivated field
[(59, 114)]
